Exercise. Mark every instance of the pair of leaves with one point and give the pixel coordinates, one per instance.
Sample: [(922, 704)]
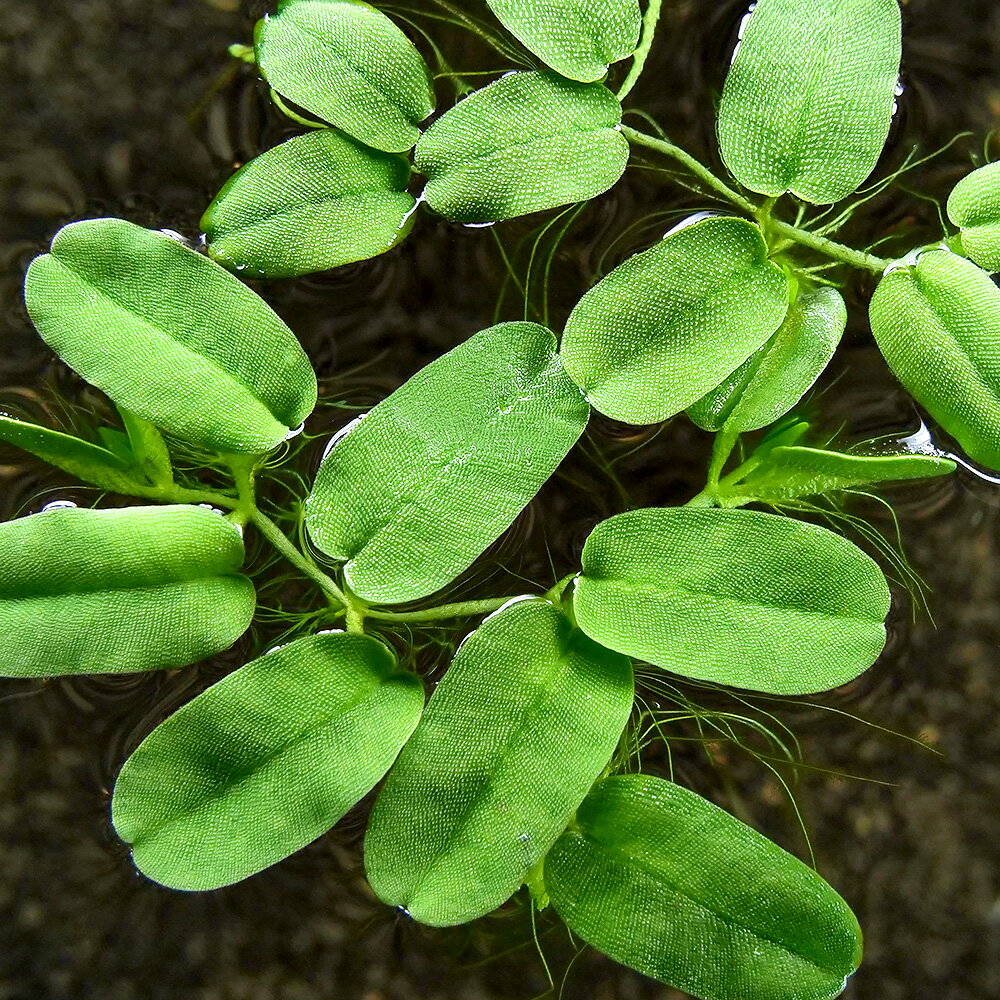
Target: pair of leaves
[(736, 597), (808, 101), (513, 737), (170, 336), (114, 591), (670, 323), (937, 322), (349, 64), (576, 38), (435, 472), (667, 883), (265, 761)]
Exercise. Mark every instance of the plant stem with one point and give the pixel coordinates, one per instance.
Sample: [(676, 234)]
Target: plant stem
[(649, 22), (464, 609), (277, 538), (856, 258), (695, 166)]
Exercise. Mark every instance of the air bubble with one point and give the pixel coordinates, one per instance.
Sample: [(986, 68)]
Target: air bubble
[(477, 225), (295, 431), (691, 220), (341, 434), (59, 505)]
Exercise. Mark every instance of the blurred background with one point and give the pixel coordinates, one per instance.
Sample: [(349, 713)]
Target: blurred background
[(132, 109)]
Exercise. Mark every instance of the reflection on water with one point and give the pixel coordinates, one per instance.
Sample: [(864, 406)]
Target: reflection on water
[(116, 112)]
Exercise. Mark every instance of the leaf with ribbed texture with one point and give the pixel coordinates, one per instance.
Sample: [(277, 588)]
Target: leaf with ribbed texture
[(798, 472), (672, 322), (524, 143), (577, 38), (974, 206), (89, 462), (736, 597), (666, 882), (116, 591), (810, 95), (346, 62), (264, 761), (776, 376), (170, 335), (937, 322), (439, 469), (522, 724), (316, 201)]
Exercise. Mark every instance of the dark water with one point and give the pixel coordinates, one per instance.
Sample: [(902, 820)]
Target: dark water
[(126, 108)]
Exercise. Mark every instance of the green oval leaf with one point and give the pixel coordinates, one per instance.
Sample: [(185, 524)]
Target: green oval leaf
[(673, 321), (515, 734), (316, 201), (577, 38), (798, 472), (346, 62), (116, 591), (736, 597), (937, 322), (974, 206), (265, 761), (89, 462), (436, 472), (668, 883), (810, 95), (524, 143), (147, 320), (776, 376)]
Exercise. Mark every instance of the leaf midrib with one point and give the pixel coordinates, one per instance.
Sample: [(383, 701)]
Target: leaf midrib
[(651, 589)]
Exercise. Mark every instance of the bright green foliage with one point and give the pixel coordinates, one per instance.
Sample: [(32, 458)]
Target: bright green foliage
[(315, 202), (513, 737), (89, 462), (974, 206), (114, 591), (937, 322), (776, 376), (346, 62), (149, 321), (661, 879), (526, 142), (808, 101), (673, 321), (738, 597), (435, 472), (577, 38), (147, 449), (265, 761), (798, 472)]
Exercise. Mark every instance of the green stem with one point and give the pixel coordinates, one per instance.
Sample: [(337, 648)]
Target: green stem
[(277, 538), (856, 258), (464, 609), (695, 166), (649, 22)]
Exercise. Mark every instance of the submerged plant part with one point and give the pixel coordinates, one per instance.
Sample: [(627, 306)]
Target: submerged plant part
[(514, 772)]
